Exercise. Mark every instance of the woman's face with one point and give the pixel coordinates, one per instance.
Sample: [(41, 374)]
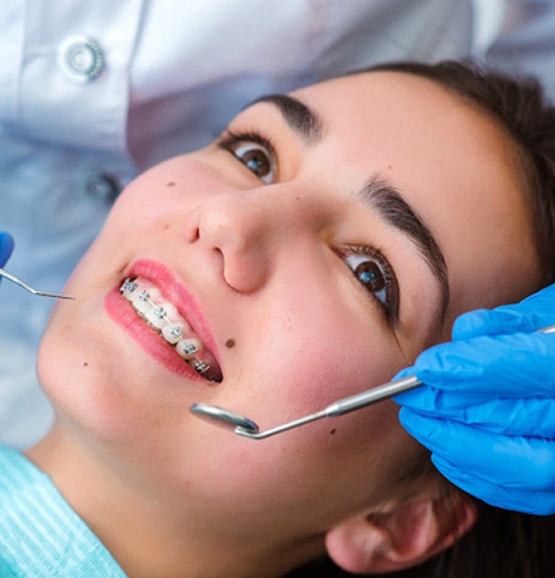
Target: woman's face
[(310, 253)]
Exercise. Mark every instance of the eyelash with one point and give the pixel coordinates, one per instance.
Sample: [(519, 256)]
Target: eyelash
[(232, 142), (390, 302)]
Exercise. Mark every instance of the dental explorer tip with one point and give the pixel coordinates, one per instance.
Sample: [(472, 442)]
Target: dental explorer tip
[(30, 289)]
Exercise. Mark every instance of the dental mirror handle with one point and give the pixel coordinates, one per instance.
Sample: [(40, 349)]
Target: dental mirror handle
[(247, 428), (339, 407), (380, 393)]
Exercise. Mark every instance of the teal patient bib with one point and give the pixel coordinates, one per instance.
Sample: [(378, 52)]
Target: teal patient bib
[(40, 534)]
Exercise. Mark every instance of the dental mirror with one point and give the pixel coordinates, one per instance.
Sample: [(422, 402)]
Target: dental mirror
[(19, 282), (224, 418), (245, 427)]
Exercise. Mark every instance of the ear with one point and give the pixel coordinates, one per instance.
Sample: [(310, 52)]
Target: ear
[(406, 536)]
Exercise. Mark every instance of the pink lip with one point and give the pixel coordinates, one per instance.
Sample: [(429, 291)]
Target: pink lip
[(124, 315)]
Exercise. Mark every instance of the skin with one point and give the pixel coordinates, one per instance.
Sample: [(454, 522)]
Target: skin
[(268, 267)]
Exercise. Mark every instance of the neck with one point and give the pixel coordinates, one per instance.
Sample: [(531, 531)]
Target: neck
[(150, 534)]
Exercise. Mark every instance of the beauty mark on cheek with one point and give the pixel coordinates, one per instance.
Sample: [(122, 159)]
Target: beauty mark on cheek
[(230, 343)]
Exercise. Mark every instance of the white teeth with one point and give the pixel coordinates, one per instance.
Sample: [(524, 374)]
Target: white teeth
[(187, 347), (154, 294), (129, 289), (157, 317), (171, 311), (166, 320), (141, 302), (172, 333)]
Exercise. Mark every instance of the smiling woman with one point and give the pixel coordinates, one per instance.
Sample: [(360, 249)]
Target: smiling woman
[(330, 235)]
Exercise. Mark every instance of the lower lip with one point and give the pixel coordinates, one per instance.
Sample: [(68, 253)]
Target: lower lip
[(122, 313)]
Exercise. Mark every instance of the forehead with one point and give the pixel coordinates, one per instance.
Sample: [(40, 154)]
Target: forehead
[(409, 127), (455, 165), (410, 106)]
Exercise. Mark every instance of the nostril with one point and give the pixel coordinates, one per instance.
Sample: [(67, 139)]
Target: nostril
[(194, 235), (192, 225)]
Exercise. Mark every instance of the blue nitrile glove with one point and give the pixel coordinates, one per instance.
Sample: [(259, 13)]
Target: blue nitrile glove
[(6, 247), (487, 411)]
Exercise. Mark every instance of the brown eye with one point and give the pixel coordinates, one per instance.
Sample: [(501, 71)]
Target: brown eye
[(374, 273), (257, 160), (254, 151), (370, 276)]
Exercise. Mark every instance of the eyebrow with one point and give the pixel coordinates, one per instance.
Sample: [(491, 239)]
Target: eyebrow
[(301, 118), (395, 210), (376, 192)]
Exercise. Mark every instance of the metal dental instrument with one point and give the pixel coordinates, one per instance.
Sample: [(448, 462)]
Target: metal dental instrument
[(247, 428), (19, 282)]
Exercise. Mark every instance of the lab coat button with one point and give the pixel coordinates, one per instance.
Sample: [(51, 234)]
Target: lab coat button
[(103, 187), (82, 58)]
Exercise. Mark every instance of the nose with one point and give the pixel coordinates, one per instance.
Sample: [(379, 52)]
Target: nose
[(248, 231)]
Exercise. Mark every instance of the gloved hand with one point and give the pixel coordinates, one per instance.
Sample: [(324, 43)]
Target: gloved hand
[(487, 411), (6, 247)]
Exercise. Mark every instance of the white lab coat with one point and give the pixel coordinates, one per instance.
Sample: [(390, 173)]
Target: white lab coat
[(93, 92)]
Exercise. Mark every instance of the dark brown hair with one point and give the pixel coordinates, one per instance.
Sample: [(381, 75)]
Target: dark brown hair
[(502, 544)]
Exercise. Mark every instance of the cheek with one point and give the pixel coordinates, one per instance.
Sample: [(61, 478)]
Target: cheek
[(304, 360), (160, 194), (323, 357)]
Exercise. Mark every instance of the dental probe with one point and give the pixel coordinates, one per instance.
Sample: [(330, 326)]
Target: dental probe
[(19, 282), (245, 427)]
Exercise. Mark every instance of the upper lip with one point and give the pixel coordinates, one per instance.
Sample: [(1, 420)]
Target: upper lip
[(179, 296)]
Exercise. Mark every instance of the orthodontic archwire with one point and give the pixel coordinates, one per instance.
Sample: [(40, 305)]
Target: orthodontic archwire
[(200, 366)]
